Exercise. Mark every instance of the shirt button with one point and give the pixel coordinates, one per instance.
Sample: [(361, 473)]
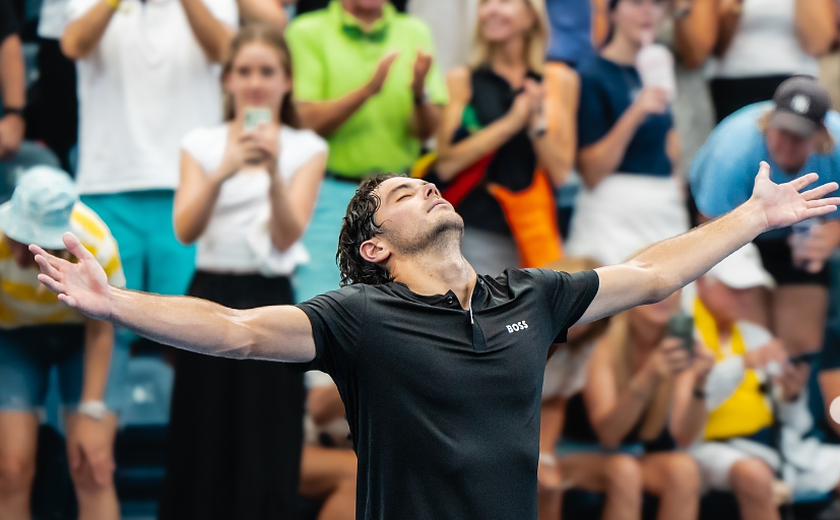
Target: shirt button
[(450, 300)]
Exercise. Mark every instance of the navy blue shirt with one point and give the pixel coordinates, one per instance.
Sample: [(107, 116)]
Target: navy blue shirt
[(444, 407), (608, 89)]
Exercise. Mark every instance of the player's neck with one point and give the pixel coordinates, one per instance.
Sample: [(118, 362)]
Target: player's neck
[(430, 273)]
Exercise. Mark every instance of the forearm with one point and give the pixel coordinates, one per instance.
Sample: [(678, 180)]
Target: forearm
[(325, 117), (601, 159), (455, 158), (194, 207), (690, 411), (12, 79), (286, 228), (551, 423), (613, 426), (695, 34), (675, 262), (727, 27), (816, 26), (555, 152), (425, 120), (212, 35), (99, 343), (83, 35), (263, 11)]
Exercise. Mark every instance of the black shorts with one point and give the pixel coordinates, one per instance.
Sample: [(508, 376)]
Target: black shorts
[(777, 258)]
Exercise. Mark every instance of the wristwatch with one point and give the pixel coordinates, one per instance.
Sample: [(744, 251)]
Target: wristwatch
[(421, 100), (94, 409), (12, 111)]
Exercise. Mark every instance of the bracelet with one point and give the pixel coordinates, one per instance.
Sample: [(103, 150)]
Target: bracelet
[(699, 393), (94, 409), (421, 100), (548, 459), (115, 4)]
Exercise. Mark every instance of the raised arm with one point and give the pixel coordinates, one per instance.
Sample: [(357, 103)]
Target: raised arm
[(816, 25), (82, 35), (278, 333), (213, 35), (664, 267)]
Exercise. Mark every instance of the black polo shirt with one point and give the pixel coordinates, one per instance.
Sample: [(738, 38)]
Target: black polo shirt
[(445, 410)]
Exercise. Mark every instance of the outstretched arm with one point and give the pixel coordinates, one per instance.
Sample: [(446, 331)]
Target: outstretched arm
[(278, 333), (661, 269)]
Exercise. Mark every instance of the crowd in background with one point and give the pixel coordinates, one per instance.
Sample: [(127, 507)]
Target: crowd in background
[(210, 148)]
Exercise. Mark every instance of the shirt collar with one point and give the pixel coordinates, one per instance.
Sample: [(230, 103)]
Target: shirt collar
[(352, 27)]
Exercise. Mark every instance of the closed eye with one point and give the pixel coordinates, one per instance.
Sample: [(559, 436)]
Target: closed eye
[(403, 197)]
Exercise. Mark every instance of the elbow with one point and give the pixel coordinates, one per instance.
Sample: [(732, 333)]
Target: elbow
[(694, 61), (284, 241), (607, 437), (184, 235), (71, 47)]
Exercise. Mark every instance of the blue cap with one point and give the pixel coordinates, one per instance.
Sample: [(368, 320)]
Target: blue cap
[(40, 207)]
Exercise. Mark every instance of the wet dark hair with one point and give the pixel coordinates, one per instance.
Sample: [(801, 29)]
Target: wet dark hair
[(357, 227)]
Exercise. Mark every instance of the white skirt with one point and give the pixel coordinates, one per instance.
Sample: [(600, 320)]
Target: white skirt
[(624, 214)]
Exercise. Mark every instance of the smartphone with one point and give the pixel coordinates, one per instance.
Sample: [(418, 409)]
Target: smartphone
[(681, 326), (254, 117)]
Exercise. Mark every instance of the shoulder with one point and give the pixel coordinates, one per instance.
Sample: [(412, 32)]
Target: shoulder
[(302, 140), (204, 136), (560, 75), (459, 82), (413, 24), (350, 298), (594, 68), (306, 23)]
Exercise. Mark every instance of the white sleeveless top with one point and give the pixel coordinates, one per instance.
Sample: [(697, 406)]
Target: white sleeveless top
[(237, 238)]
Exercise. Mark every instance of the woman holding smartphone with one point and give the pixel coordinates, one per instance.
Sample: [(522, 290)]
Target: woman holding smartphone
[(625, 407), (248, 188)]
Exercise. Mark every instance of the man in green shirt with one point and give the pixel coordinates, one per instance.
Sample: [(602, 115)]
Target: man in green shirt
[(364, 80)]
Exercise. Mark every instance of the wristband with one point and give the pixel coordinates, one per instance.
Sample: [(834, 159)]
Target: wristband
[(12, 111), (420, 100), (94, 409), (699, 393)]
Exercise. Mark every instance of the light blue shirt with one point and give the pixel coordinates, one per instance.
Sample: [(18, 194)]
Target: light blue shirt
[(723, 171)]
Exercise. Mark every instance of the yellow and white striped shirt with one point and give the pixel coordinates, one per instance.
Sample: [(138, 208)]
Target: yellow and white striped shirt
[(24, 301)]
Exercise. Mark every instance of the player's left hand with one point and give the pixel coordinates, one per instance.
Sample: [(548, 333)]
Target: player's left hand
[(784, 204)]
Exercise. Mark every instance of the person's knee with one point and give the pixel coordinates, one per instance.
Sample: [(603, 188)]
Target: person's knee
[(16, 474), (682, 474), (93, 477), (751, 479), (623, 475)]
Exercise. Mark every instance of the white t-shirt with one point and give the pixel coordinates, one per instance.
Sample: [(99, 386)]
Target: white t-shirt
[(765, 43), (237, 239), (145, 85)]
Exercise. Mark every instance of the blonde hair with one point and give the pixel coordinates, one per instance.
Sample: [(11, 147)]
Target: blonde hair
[(657, 408), (536, 40), (824, 141)]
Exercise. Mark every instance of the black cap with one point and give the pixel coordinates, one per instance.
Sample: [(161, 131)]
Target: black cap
[(801, 106)]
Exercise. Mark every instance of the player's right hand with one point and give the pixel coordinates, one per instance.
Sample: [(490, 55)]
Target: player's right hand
[(82, 285)]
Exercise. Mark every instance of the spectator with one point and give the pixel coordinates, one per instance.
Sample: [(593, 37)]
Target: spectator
[(794, 134), (734, 417), (576, 27), (147, 75), (626, 402), (829, 379), (328, 465), (495, 152), (762, 43), (12, 82), (39, 332), (447, 21), (628, 148), (245, 196), (565, 375), (365, 81)]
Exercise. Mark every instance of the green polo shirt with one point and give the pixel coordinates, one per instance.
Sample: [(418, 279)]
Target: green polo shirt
[(333, 56)]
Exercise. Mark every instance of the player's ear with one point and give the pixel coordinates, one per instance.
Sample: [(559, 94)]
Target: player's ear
[(375, 250)]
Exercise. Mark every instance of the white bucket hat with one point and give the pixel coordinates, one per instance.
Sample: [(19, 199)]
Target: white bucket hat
[(39, 210), (742, 270)]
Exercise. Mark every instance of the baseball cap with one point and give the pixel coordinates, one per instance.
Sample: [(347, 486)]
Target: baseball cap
[(40, 207), (801, 106), (742, 270)]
